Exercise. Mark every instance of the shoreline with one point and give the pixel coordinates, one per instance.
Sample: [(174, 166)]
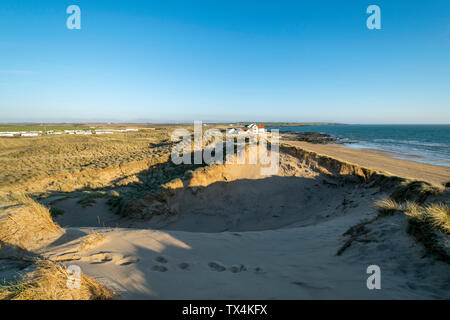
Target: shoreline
[(380, 160), (403, 156), (411, 143)]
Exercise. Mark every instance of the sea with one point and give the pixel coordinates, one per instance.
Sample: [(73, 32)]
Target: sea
[(420, 143)]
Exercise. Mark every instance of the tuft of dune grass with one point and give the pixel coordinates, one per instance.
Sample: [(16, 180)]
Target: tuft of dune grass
[(26, 224), (49, 282), (436, 214), (425, 223), (439, 216), (388, 207)]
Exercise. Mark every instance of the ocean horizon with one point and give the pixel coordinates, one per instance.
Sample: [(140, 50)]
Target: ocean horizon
[(424, 143)]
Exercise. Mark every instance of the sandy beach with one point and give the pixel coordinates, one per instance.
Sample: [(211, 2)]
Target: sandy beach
[(379, 160)]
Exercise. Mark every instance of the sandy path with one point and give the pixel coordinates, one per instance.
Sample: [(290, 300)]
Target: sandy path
[(380, 161)]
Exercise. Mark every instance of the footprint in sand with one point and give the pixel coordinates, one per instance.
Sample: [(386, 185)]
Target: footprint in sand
[(103, 257), (259, 270), (183, 266), (117, 258), (100, 258), (238, 268), (159, 268), (127, 260), (216, 266), (161, 259)]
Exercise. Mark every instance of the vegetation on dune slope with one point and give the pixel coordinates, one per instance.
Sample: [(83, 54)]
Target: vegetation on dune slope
[(24, 223), (436, 215), (25, 227), (427, 223), (24, 161), (49, 282)]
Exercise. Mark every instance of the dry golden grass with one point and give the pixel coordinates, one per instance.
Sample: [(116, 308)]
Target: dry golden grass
[(439, 216), (49, 282), (26, 224), (428, 224), (436, 214), (409, 208), (388, 206), (24, 161), (412, 208)]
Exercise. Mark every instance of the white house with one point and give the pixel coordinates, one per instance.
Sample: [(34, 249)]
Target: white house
[(255, 129), (250, 129), (244, 131)]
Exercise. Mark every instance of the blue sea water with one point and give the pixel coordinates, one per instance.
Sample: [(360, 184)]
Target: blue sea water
[(421, 143)]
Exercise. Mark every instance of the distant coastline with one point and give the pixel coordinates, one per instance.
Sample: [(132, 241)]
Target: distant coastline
[(420, 143)]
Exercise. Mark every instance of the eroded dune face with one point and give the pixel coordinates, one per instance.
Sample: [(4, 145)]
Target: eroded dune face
[(238, 198)]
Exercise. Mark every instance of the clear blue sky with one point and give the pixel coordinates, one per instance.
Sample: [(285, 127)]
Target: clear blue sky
[(225, 60)]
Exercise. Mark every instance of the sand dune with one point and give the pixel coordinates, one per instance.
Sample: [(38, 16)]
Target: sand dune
[(225, 232)]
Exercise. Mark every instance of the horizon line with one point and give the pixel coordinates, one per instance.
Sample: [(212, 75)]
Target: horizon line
[(216, 122)]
